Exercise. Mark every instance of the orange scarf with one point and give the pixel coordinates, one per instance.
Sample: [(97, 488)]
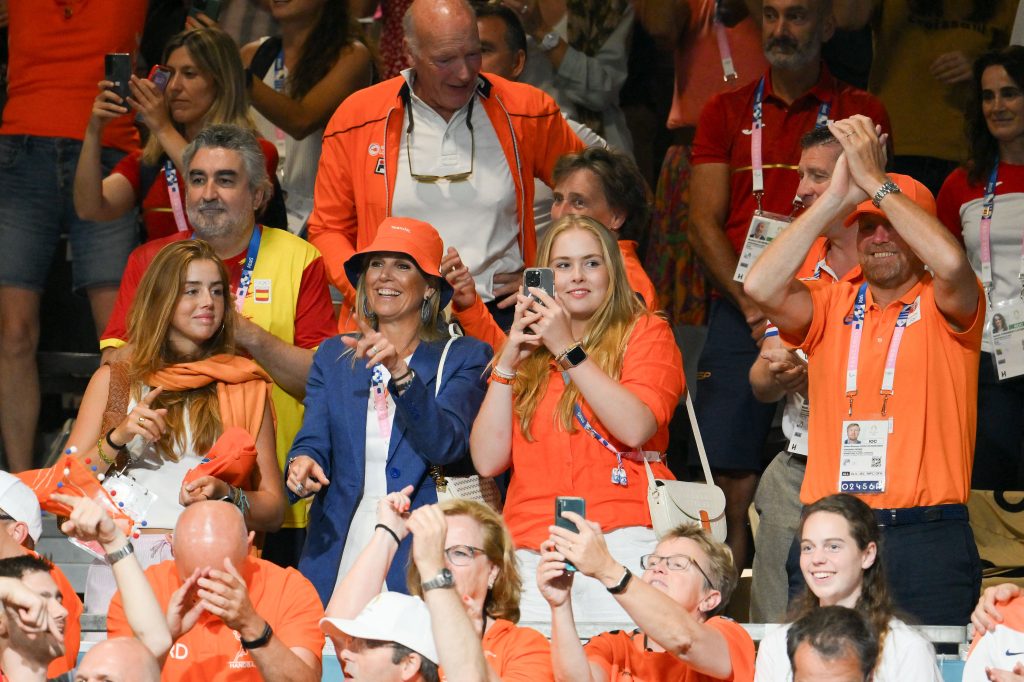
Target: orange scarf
[(242, 387)]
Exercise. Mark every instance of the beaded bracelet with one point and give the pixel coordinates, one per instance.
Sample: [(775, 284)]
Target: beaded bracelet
[(99, 451)]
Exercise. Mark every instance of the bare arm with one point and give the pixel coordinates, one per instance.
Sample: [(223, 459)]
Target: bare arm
[(89, 522), (710, 181), (309, 113), (777, 372), (664, 20), (286, 364), (96, 197)]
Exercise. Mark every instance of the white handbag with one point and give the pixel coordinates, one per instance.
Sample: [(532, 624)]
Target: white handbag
[(673, 503), (474, 487)]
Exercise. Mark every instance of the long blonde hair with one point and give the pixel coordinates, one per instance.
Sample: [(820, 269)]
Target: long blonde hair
[(216, 55), (149, 323), (606, 333)]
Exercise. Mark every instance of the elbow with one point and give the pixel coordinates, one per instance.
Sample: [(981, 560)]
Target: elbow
[(638, 435), (488, 465), (755, 288), (159, 644)]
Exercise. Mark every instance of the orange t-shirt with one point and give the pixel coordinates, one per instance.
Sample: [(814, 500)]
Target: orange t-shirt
[(622, 657), (517, 654), (559, 462), (210, 651), (56, 60), (934, 403), (637, 276)]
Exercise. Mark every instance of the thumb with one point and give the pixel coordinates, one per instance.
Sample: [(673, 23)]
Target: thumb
[(318, 474)]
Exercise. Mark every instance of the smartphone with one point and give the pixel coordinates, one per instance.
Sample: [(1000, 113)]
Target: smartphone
[(539, 278), (210, 8), (161, 76), (118, 70), (573, 504)]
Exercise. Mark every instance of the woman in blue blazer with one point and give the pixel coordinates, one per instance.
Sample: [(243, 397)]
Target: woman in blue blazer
[(376, 419)]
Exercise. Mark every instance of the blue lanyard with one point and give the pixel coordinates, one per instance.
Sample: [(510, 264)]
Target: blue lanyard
[(174, 193), (247, 267), (279, 71), (821, 120)]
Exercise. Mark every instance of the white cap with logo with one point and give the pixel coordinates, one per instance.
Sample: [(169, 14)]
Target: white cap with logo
[(19, 502), (389, 617)]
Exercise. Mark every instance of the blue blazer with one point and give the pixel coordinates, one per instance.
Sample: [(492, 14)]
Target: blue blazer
[(426, 431)]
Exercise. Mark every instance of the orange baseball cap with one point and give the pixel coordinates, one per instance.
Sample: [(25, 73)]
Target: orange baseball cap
[(911, 188), (416, 239)]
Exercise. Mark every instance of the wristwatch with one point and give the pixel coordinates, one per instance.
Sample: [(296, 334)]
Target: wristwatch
[(125, 551), (550, 41), (887, 188), (442, 580), (571, 356), (620, 587), (260, 641)]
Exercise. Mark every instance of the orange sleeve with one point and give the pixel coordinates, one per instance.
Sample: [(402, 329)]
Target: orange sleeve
[(652, 368), (741, 648), (525, 657), (117, 624), (333, 223), (820, 300), (478, 322), (73, 628), (604, 649), (298, 623)]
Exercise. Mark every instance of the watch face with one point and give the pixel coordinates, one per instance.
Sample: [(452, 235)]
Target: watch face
[(576, 355)]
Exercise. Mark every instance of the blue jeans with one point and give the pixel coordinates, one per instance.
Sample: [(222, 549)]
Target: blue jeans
[(37, 176)]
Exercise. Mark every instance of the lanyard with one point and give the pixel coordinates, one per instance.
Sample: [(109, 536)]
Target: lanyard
[(174, 191), (380, 402), (985, 231), (581, 419), (279, 82), (247, 267), (724, 51), (756, 157), (889, 376)]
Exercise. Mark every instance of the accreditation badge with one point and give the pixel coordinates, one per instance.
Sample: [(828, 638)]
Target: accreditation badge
[(764, 227), (1005, 328), (862, 455), (798, 441)]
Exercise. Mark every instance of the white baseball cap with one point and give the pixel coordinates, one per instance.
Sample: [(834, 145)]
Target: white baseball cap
[(389, 617), (19, 502)]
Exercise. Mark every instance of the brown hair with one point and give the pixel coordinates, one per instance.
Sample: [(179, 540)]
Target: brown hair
[(149, 323), (721, 569), (503, 598)]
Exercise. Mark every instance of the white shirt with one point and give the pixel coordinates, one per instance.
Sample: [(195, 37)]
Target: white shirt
[(478, 215), (906, 655)]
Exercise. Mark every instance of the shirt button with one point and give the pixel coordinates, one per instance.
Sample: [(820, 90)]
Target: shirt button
[(879, 339), (394, 473)]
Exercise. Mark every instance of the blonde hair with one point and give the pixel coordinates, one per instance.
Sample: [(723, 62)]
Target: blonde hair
[(149, 323), (431, 330), (216, 56), (606, 333), (721, 568), (503, 597)]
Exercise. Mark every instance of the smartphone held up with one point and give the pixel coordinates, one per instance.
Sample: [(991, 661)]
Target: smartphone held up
[(572, 504)]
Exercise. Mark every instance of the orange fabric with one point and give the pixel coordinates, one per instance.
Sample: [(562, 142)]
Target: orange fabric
[(210, 651), (558, 462), (517, 654), (1013, 619), (354, 193), (231, 459), (818, 253), (73, 628), (56, 61), (933, 406), (478, 322), (242, 387), (78, 482), (622, 657)]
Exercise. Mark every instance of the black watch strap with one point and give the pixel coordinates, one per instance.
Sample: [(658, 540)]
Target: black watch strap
[(260, 641), (620, 587)]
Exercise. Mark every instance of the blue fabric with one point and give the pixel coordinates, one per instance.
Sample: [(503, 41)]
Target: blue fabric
[(425, 432)]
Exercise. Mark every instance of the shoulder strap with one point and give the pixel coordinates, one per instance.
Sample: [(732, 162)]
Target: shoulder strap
[(264, 56), (700, 441), (454, 332), (148, 174)]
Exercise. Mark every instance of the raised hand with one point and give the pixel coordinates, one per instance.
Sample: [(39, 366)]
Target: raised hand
[(224, 594), (553, 324), (88, 521), (184, 607), (522, 340), (554, 582), (149, 101), (143, 421), (107, 106), (203, 488), (393, 511), (458, 275), (305, 476), (377, 349)]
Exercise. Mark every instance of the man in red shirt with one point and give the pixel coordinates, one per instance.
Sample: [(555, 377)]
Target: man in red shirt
[(744, 157)]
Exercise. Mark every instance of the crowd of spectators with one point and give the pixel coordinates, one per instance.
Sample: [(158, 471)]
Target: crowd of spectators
[(388, 330)]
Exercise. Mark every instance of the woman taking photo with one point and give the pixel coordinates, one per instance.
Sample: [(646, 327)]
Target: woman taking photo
[(994, 178), (296, 83), (580, 394), (458, 544), (839, 542), (145, 424), (381, 411), (206, 86)]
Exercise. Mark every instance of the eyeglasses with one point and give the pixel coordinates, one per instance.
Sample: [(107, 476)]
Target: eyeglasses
[(4, 516), (462, 555), (676, 562), (455, 177), (361, 644)]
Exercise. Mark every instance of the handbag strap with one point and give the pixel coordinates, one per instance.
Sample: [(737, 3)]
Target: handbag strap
[(436, 470), (700, 441)]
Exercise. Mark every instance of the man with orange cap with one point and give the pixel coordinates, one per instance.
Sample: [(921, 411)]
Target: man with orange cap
[(897, 355)]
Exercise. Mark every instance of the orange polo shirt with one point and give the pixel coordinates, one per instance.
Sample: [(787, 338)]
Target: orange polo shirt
[(210, 651), (622, 657), (517, 654), (934, 403), (559, 462)]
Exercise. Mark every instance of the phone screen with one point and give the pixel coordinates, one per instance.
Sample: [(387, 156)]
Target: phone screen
[(118, 70), (573, 504)]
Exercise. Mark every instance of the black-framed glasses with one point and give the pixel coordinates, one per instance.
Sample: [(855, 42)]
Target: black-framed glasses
[(455, 177), (462, 555), (359, 643), (6, 517), (676, 562)]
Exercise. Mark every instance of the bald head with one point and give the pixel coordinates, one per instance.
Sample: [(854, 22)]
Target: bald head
[(434, 15), (206, 534), (123, 659)]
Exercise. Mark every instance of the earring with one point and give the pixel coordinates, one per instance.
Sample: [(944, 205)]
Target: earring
[(490, 584), (367, 313)]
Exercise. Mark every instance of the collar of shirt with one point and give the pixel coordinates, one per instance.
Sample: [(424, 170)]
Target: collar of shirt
[(824, 90)]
